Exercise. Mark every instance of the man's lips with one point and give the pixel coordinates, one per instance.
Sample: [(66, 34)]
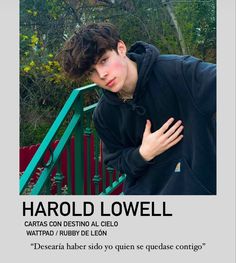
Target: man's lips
[(110, 82)]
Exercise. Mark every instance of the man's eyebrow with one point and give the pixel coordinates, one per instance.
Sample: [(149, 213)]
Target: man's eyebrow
[(96, 60), (100, 58)]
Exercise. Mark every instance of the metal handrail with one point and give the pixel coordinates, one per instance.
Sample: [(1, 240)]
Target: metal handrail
[(74, 107)]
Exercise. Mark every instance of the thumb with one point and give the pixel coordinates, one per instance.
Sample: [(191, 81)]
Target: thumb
[(147, 130)]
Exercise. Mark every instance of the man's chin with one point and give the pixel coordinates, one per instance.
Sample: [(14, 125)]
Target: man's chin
[(114, 90)]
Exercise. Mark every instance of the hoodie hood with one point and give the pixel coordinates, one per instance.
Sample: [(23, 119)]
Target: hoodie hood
[(145, 56)]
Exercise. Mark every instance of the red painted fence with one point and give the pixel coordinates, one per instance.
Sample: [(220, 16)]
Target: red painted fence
[(27, 152)]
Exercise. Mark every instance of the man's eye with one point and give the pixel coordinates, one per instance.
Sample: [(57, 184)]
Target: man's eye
[(103, 60)]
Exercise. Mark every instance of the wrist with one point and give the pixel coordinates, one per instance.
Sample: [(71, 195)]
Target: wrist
[(144, 155)]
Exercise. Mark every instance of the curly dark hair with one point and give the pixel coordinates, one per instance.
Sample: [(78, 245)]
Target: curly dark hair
[(85, 47)]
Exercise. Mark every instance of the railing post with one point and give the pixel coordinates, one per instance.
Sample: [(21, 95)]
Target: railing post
[(104, 172), (69, 177), (110, 171), (103, 177), (88, 132), (58, 178), (47, 187), (96, 178), (79, 145), (117, 175)]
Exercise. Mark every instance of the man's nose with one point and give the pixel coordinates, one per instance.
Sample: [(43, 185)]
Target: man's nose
[(102, 73)]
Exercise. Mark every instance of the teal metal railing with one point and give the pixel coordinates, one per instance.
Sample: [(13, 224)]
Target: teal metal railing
[(80, 146)]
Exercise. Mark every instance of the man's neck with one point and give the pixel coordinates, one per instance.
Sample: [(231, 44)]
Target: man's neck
[(130, 84)]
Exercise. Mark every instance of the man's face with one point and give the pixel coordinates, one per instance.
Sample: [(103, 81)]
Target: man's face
[(110, 72)]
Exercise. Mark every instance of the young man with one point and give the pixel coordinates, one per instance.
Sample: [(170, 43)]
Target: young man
[(148, 100)]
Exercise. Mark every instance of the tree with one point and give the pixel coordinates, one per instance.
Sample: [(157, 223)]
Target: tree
[(173, 26), (176, 25)]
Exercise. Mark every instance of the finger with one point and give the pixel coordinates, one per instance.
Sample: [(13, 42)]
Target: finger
[(147, 130), (166, 125), (173, 128), (174, 142), (175, 134)]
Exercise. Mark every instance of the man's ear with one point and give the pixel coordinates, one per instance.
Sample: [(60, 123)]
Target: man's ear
[(121, 48)]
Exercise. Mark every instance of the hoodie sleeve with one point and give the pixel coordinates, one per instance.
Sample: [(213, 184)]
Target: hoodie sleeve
[(200, 78), (124, 159)]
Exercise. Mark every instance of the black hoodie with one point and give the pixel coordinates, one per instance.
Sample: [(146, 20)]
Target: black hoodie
[(182, 87)]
